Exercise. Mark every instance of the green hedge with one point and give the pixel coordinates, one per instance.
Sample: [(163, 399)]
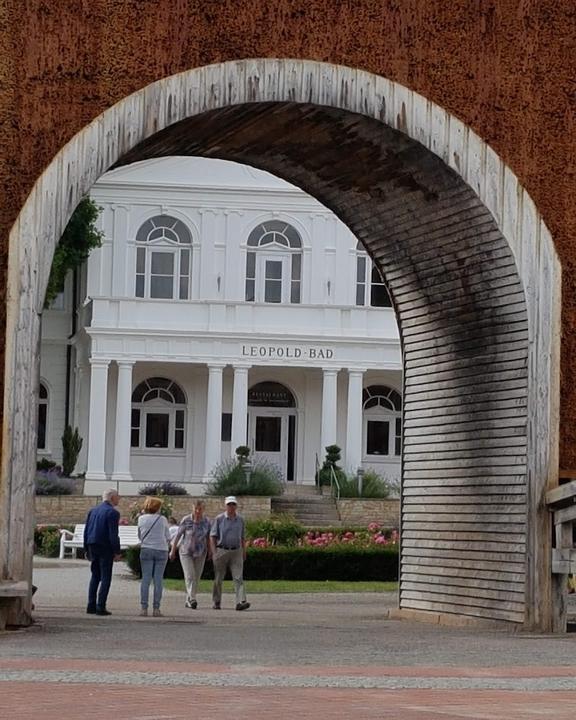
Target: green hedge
[(303, 563)]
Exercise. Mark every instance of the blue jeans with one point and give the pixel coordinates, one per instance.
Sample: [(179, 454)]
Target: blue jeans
[(102, 560), (153, 563)]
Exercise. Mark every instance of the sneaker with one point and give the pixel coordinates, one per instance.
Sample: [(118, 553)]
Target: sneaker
[(144, 612), (216, 606), (102, 611), (192, 604), (156, 613), (91, 610), (243, 605)]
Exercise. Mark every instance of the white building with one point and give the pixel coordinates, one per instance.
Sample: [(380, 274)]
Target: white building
[(225, 307)]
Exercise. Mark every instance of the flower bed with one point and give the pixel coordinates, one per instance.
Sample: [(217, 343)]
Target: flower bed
[(325, 554)]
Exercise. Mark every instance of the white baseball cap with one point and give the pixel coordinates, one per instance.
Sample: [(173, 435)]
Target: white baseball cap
[(231, 499)]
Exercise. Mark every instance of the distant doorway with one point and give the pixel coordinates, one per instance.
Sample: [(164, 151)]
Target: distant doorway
[(272, 426)]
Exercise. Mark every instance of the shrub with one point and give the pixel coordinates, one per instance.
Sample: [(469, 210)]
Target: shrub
[(303, 563), (135, 509), (71, 446), (45, 464), (333, 456), (280, 529), (373, 486), (163, 489), (50, 482), (47, 539), (230, 479)]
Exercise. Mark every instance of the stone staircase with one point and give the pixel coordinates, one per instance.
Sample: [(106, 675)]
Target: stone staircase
[(307, 507)]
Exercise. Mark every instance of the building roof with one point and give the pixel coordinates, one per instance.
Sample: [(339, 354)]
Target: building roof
[(195, 172)]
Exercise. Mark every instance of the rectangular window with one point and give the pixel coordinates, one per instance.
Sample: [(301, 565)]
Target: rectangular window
[(295, 278), (162, 275), (273, 281), (179, 430), (42, 418), (226, 431), (184, 274), (379, 296), (157, 430), (291, 447), (250, 276), (140, 271), (135, 429), (398, 438), (295, 292), (377, 437), (268, 434), (361, 281)]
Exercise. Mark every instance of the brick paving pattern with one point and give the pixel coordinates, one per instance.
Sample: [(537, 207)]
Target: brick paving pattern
[(317, 656)]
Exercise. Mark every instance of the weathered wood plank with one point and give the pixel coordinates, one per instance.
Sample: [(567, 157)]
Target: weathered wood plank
[(502, 483), (518, 405), (498, 553), (469, 547), (459, 571), (414, 454), (418, 601), (474, 535), (416, 445), (562, 495), (430, 436), (482, 510), (470, 602), (507, 594), (472, 472)]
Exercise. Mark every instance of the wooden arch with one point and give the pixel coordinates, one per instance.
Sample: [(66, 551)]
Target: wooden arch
[(471, 269)]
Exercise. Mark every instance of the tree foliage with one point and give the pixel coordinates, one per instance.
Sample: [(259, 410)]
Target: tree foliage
[(78, 239), (71, 446)]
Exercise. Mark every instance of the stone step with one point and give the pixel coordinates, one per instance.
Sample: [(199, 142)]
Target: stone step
[(311, 511)]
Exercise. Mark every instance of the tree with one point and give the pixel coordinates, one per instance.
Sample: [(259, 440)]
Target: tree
[(78, 239), (330, 466), (71, 446)]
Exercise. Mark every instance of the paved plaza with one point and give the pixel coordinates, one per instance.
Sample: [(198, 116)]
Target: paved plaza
[(306, 656)]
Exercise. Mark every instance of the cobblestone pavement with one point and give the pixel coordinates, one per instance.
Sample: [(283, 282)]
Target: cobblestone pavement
[(309, 656)]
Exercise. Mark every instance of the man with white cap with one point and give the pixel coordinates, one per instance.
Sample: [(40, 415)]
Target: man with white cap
[(228, 543)]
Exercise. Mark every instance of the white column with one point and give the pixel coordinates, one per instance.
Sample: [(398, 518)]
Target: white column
[(97, 419), (329, 409), (239, 407), (123, 422), (353, 455), (213, 418)]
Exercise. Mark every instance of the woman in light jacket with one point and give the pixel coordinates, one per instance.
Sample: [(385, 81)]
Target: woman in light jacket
[(192, 542), (154, 542)]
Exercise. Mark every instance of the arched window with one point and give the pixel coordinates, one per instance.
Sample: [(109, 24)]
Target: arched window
[(382, 421), (163, 259), (274, 263), (158, 415), (370, 286), (43, 399)]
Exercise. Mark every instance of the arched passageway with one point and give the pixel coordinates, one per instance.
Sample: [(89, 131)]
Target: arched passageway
[(471, 273)]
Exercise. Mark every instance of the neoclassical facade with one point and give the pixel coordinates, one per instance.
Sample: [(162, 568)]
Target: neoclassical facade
[(225, 307)]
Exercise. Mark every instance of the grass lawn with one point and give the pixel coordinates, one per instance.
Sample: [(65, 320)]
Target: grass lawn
[(294, 586)]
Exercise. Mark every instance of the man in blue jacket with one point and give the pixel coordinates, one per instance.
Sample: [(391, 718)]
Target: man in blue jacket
[(102, 546)]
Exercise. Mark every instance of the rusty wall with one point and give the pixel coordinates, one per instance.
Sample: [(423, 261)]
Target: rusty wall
[(505, 67)]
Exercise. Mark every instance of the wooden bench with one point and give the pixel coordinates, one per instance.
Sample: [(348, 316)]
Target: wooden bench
[(561, 502), (74, 540), (14, 588)]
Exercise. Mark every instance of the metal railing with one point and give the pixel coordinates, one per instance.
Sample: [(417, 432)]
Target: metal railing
[(334, 484)]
